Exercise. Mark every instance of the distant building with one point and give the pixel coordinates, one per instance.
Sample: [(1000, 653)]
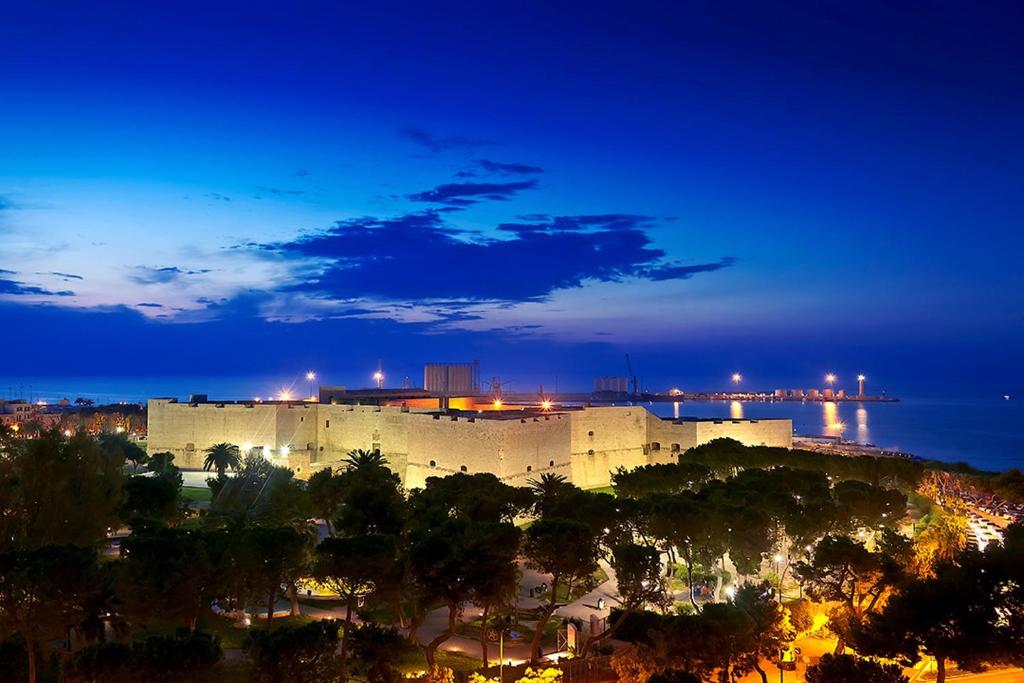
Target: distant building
[(780, 393), (813, 394), (828, 393), (797, 393), (452, 379), (617, 385)]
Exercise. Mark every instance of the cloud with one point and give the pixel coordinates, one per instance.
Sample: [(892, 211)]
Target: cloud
[(684, 272), (64, 276), (13, 287), (438, 143), (419, 258), (488, 167), (301, 173), (466, 194), (150, 305), (145, 275), (282, 192), (508, 169)]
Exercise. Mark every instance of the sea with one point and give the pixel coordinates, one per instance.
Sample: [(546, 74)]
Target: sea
[(984, 430)]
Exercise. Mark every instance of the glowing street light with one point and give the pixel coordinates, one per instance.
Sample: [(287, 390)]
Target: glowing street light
[(378, 377), (737, 378), (830, 378), (285, 395), (497, 404), (545, 404), (311, 377)]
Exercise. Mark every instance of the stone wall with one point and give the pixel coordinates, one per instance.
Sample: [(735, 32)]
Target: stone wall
[(585, 445)]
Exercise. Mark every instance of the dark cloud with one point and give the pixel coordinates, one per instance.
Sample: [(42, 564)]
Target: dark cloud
[(420, 258), (217, 197), (508, 169), (439, 143), (684, 272), (466, 194), (301, 173), (282, 192), (144, 275), (18, 288), (150, 305), (488, 167), (64, 276)]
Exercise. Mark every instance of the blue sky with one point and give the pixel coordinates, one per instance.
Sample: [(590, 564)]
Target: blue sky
[(780, 189)]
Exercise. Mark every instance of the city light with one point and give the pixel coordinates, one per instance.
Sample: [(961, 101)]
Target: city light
[(737, 378), (861, 378), (830, 378), (310, 376), (545, 404), (497, 403), (284, 395), (285, 450)]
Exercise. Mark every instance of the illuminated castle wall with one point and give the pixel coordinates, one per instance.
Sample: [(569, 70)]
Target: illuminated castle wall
[(585, 444)]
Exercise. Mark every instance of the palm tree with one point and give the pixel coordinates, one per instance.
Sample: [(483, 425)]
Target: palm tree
[(547, 489), (361, 459), (220, 457)]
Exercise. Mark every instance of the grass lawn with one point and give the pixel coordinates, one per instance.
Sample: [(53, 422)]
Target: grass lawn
[(603, 489), (196, 494)]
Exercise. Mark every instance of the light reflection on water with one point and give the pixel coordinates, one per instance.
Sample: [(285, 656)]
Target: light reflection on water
[(736, 410), (986, 432)]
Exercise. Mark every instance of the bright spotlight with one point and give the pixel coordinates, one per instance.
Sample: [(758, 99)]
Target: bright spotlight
[(830, 378), (285, 450), (861, 378), (545, 404), (736, 378), (285, 395), (310, 376), (497, 403)]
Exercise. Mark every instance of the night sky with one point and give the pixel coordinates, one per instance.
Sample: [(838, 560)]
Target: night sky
[(781, 189)]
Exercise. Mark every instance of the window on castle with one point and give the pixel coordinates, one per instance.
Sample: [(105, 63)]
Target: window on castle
[(464, 469), (529, 468), (433, 463)]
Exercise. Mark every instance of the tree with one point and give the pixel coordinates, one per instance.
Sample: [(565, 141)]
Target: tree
[(352, 568), (493, 574), (325, 490), (186, 657), (377, 650), (370, 497), (150, 500), (222, 457), (863, 505), (118, 447), (844, 571), (770, 632), (45, 590), (951, 616), (271, 556), (259, 494), (547, 491), (849, 669), (297, 654), (450, 561), (165, 575), (59, 491), (638, 574), (568, 551)]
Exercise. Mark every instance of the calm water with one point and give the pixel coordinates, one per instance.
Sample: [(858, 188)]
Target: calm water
[(987, 432)]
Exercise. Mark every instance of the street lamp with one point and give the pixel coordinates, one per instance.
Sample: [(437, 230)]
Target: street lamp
[(737, 378), (311, 377)]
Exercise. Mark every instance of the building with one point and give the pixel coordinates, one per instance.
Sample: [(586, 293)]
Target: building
[(617, 385), (452, 379), (583, 444)]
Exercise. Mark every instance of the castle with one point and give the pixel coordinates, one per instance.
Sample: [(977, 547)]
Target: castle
[(584, 444)]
